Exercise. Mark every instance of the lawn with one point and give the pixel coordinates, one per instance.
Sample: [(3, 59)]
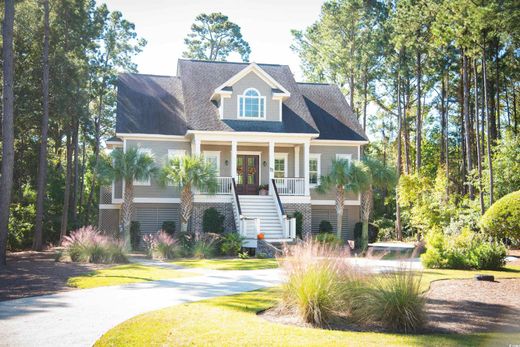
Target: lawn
[(229, 263), (124, 274), (232, 321)]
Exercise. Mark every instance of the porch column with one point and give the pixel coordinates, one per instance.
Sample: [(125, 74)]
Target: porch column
[(306, 148), (271, 160), (196, 148), (234, 159), (297, 161)]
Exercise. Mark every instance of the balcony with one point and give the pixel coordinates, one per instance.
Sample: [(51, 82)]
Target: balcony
[(293, 186)]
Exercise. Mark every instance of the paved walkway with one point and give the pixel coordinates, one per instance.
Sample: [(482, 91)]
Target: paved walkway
[(79, 318)]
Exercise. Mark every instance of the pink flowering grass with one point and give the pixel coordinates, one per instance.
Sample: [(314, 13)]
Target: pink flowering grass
[(161, 245), (89, 245)]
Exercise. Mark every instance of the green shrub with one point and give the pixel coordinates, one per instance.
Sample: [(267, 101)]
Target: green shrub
[(325, 227), (21, 226), (135, 234), (464, 251), (243, 255), (373, 231), (502, 219), (299, 223), (395, 300), (261, 255), (206, 245), (186, 241), (213, 221), (169, 227), (231, 244), (161, 246), (328, 239), (88, 245)]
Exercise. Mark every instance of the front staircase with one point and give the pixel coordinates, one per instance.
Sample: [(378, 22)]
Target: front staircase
[(264, 208)]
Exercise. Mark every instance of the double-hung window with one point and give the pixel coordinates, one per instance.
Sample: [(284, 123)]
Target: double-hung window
[(280, 165), (314, 169), (148, 181), (251, 105), (213, 157)]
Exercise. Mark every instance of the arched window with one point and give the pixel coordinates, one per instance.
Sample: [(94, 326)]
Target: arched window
[(251, 104)]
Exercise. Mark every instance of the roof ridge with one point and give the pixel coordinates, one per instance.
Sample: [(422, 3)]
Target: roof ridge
[(317, 83), (229, 62), (147, 74)]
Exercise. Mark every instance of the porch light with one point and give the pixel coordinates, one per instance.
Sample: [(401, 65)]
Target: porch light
[(264, 163), (226, 162)]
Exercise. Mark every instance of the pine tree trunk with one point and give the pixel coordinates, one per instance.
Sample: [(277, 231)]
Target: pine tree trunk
[(126, 212), (497, 85), (74, 202), (406, 133), (418, 120), (365, 99), (489, 129), (66, 194), (467, 126), (477, 130), (398, 227), (42, 160), (6, 179), (443, 121), (186, 207), (340, 202), (97, 136)]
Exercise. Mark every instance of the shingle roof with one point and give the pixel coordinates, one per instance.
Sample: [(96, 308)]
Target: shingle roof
[(331, 112), (172, 105)]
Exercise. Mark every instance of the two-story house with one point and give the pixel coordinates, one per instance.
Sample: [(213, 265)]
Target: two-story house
[(257, 125)]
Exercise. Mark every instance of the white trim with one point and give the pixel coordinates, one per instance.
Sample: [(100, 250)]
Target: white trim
[(296, 161), (280, 110), (285, 157), (252, 136), (117, 201), (260, 97), (149, 181), (333, 202), (315, 156), (109, 206), (295, 199), (317, 142), (208, 154), (225, 198), (253, 67), (152, 137), (347, 156), (157, 200), (306, 149)]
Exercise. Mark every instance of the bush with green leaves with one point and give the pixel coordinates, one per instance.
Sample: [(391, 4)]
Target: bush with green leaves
[(89, 245), (502, 219), (328, 239), (206, 245), (213, 221), (466, 250), (325, 227), (161, 246), (299, 223), (169, 227), (135, 234), (231, 244)]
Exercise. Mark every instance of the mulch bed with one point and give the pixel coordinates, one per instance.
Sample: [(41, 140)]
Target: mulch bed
[(37, 273), (453, 306)]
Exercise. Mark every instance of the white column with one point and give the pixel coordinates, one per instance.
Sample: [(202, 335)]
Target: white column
[(196, 149), (271, 160), (234, 159), (306, 148), (297, 161)]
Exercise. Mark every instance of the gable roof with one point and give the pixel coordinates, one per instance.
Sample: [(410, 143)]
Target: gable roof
[(172, 105)]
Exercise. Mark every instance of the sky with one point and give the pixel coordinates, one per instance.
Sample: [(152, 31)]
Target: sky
[(265, 24)]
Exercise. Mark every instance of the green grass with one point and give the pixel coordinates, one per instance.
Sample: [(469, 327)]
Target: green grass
[(229, 263), (123, 274), (232, 321)]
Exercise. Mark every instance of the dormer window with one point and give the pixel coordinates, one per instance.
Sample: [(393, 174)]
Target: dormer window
[(251, 105)]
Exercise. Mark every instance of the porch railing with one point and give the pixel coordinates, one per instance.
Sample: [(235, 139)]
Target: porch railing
[(290, 185), (223, 187)]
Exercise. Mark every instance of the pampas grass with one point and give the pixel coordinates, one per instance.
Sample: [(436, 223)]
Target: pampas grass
[(89, 245)]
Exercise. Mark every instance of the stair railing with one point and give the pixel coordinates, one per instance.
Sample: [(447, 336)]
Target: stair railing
[(247, 227), (288, 224)]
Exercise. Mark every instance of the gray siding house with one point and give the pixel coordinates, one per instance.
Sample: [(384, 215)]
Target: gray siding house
[(257, 125)]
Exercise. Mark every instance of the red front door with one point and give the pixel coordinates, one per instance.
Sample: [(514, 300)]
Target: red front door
[(248, 174)]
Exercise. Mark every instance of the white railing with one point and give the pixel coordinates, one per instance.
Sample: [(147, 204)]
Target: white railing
[(290, 185), (288, 224), (223, 186), (249, 227)]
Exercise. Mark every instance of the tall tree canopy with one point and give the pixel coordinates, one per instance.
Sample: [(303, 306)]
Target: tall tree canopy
[(214, 37)]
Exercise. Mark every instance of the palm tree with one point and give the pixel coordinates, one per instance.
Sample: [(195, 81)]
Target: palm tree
[(188, 172), (344, 176), (380, 176), (128, 166)]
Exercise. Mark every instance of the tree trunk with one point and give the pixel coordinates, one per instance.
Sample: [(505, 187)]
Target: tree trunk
[(340, 201), (489, 129), (365, 99), (97, 135), (398, 227), (74, 203), (42, 161), (186, 207), (82, 176), (126, 212), (443, 121), (497, 85), (477, 126), (66, 195), (467, 126), (418, 120), (6, 179), (406, 133), (366, 204)]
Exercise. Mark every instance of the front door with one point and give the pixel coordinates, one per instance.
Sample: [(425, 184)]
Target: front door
[(248, 174)]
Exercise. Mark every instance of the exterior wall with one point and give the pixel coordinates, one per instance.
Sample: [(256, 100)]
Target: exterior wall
[(225, 208), (225, 154), (305, 209), (350, 218), (328, 154), (109, 221), (160, 152), (251, 80), (151, 216)]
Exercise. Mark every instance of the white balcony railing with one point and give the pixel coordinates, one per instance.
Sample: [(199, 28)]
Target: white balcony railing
[(223, 188), (290, 185)]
